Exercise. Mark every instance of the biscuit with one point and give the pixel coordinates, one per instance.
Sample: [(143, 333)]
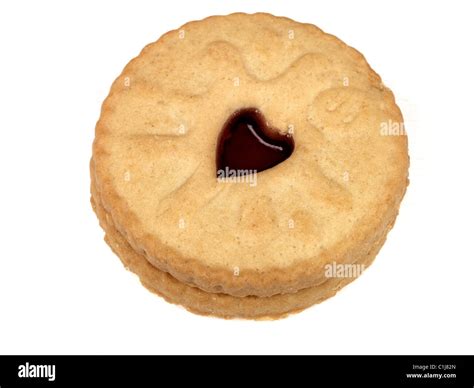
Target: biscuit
[(332, 197)]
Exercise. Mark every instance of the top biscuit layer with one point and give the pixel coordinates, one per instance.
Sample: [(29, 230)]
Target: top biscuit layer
[(154, 155)]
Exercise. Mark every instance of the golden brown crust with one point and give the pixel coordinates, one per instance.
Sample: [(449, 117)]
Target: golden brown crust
[(337, 132)]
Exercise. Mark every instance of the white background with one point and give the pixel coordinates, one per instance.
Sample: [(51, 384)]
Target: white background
[(63, 291)]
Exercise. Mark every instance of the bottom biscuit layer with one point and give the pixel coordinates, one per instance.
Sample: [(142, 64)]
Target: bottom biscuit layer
[(204, 303)]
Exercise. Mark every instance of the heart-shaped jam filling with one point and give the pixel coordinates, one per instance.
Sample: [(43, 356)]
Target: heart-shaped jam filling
[(247, 144)]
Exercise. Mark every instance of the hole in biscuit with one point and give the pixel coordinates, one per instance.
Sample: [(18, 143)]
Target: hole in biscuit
[(247, 144)]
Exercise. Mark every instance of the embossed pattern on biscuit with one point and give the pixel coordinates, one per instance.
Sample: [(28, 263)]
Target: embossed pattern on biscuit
[(162, 127)]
